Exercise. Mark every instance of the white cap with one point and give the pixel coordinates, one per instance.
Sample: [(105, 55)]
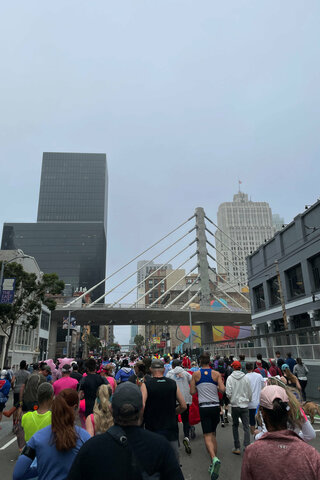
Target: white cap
[(3, 373)]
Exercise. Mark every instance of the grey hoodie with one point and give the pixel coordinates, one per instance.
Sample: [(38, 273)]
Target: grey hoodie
[(183, 379), (238, 389)]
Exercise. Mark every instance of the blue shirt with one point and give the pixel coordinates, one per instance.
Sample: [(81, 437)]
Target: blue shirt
[(52, 464), (291, 362)]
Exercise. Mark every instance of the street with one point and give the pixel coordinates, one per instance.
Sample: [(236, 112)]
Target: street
[(194, 466)]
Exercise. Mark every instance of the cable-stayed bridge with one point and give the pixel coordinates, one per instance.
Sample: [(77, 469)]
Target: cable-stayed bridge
[(215, 295)]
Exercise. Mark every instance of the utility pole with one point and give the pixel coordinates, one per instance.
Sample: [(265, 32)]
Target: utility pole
[(68, 335), (283, 303)]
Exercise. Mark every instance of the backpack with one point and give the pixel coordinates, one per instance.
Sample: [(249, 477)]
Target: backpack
[(119, 435)]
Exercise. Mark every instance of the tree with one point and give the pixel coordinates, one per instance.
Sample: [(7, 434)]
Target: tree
[(93, 342), (114, 346), (30, 294), (139, 341)]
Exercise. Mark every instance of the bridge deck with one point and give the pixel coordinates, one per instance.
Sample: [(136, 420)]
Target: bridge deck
[(102, 315)]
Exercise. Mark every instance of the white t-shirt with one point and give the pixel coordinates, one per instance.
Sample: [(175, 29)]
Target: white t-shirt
[(257, 383)]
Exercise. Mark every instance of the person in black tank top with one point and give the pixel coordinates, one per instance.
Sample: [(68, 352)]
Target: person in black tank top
[(161, 395)]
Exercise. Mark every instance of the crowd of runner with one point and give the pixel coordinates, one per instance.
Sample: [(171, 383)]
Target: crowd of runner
[(129, 409)]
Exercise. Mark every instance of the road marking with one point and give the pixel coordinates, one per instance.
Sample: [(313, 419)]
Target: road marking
[(9, 443)]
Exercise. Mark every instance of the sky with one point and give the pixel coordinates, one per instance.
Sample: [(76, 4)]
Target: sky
[(184, 97)]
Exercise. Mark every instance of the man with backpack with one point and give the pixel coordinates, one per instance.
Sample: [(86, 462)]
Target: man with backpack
[(259, 369), (126, 450)]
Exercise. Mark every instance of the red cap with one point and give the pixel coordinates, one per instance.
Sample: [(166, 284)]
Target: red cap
[(236, 365)]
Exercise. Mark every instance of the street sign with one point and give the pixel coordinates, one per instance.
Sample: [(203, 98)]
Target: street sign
[(7, 290), (162, 344)]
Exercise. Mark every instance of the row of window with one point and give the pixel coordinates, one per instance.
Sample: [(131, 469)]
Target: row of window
[(294, 284)]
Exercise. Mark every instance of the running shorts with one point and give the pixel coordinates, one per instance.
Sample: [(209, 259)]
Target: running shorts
[(210, 418)]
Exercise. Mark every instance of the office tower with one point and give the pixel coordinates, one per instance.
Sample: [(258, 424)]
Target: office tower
[(243, 226), (69, 237), (278, 222)]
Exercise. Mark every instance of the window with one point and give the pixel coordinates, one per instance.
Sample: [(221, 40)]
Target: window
[(274, 291), (295, 281), (259, 300), (315, 265), (44, 324)]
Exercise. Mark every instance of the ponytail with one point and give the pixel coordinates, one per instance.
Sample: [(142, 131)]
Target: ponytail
[(63, 416)]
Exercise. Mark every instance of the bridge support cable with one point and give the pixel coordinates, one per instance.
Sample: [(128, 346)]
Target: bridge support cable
[(183, 292), (220, 230), (149, 276), (223, 292), (229, 284), (174, 285), (218, 263), (202, 257), (128, 263), (190, 300), (153, 272), (224, 255)]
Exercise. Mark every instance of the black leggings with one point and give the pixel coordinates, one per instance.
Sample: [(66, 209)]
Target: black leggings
[(185, 422)]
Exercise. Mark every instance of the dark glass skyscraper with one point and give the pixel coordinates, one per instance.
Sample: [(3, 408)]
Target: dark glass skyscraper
[(69, 237)]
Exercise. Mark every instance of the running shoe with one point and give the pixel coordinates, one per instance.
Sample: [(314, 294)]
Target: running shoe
[(186, 443), (236, 451), (226, 419), (222, 423), (214, 468), (192, 432)]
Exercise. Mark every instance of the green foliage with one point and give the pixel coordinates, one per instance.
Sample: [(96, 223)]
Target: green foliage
[(114, 346), (30, 294), (93, 342), (139, 341)]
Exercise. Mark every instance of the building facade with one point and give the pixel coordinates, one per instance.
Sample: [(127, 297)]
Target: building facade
[(69, 237), (30, 344), (284, 282), (243, 226)]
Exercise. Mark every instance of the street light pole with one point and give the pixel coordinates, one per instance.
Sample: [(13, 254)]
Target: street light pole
[(282, 300), (68, 337), (191, 339)]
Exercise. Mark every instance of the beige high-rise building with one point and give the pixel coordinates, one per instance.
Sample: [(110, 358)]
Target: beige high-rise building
[(245, 225)]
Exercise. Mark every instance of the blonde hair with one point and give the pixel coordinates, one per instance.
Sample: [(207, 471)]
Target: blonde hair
[(294, 415), (103, 419)]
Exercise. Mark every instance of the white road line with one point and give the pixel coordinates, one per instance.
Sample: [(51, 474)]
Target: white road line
[(9, 443)]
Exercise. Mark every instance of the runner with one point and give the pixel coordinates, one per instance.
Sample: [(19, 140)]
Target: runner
[(257, 383), (160, 395), (19, 378), (224, 401), (65, 381), (124, 373), (239, 391), (75, 372), (56, 445), (292, 454), (5, 386), (33, 421), (101, 419), (183, 379), (207, 382), (126, 451), (89, 386), (300, 370)]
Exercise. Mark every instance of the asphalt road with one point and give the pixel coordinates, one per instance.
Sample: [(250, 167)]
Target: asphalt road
[(194, 467)]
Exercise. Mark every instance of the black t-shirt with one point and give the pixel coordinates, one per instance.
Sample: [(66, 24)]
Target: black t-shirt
[(76, 375), (102, 458), (160, 409), (89, 385)]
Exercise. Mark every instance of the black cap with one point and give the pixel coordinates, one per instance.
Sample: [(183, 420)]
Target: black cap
[(157, 364), (126, 394)]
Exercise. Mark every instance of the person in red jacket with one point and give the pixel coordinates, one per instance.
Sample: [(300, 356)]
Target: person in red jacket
[(274, 370), (186, 362)]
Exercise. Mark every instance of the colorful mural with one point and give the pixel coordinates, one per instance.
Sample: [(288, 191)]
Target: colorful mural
[(219, 333)]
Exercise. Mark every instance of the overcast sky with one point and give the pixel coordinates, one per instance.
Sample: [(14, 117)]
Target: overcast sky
[(185, 98)]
